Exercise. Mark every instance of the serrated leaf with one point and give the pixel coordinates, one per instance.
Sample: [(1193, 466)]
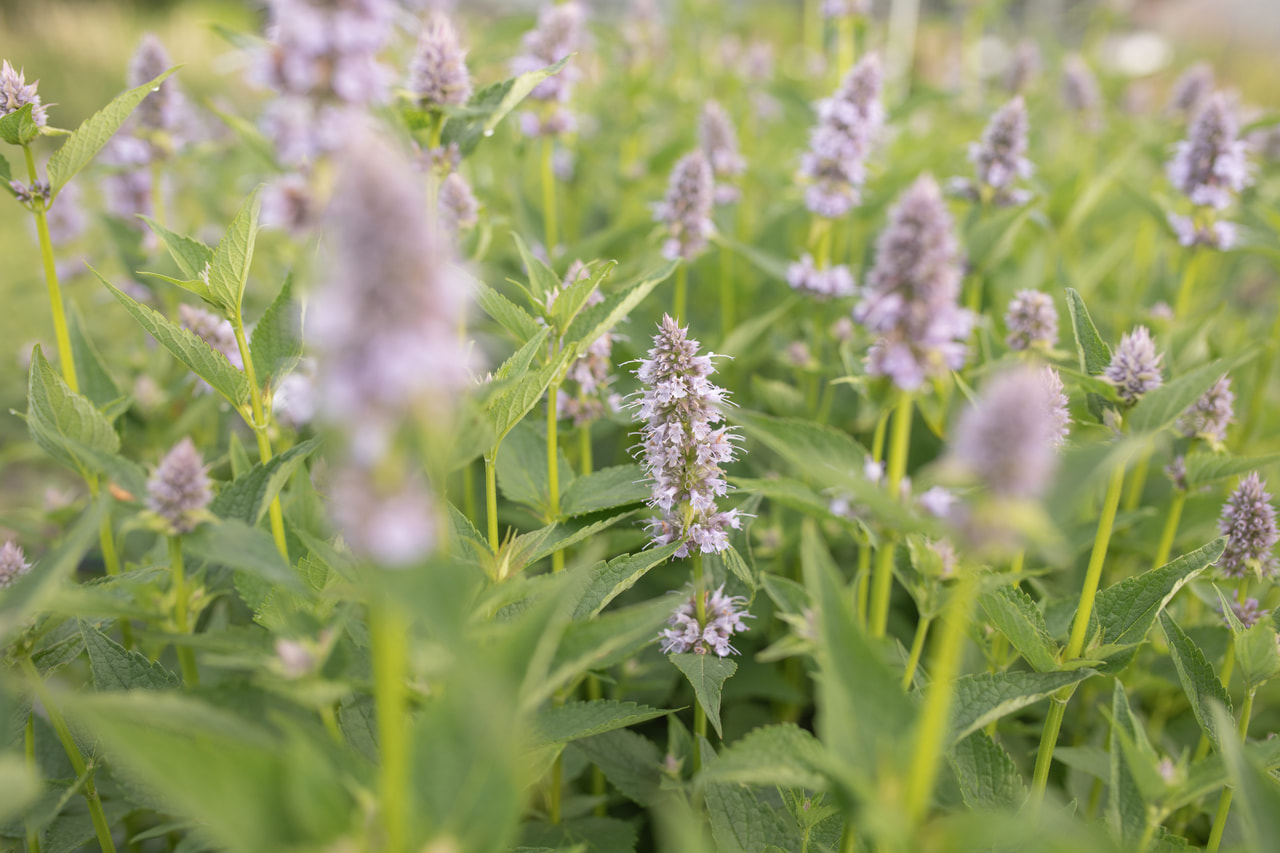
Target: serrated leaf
[(510, 407), (1127, 610), (984, 697), (707, 673), (1210, 774), (630, 762), (1206, 468), (1257, 654), (189, 254), (606, 488), (276, 343), (987, 775), (236, 545), (1256, 790), (742, 823), (489, 106), (210, 365), (95, 382), (615, 577), (60, 420), (1126, 802), (509, 315), (229, 269), (561, 536), (582, 835), (734, 564), (544, 284), (116, 668), (783, 755), (1016, 616), (23, 598), (597, 319), (573, 720), (249, 495), (1197, 677), (1160, 408), (94, 132), (18, 127), (522, 468), (1094, 354), (572, 298)]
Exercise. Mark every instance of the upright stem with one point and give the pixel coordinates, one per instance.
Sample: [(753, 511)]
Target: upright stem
[(585, 461), (845, 50), (1188, 284), (549, 194), (1224, 804), (1170, 528), (1079, 630), (699, 713), (948, 655), (882, 580), (157, 192), (259, 427), (388, 628), (29, 743), (65, 358), (598, 784), (727, 302), (186, 655), (100, 826), (682, 290), (917, 645), (491, 498), (1137, 482), (553, 469)]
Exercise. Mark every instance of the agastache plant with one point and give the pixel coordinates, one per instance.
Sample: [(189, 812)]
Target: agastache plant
[(1210, 168), (999, 160), (849, 124), (1135, 367), (13, 563), (1191, 89), (1080, 92), (1249, 523), (710, 634), (1209, 416), (559, 34), (1032, 321), (719, 142), (1024, 66), (438, 75)]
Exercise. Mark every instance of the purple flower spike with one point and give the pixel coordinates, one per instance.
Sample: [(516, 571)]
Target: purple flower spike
[(849, 124), (1135, 366), (13, 563), (686, 210), (178, 490), (438, 73), (1249, 523), (1208, 417), (1032, 320), (724, 619)]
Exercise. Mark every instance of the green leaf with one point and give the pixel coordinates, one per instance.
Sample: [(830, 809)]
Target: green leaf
[(741, 822), (544, 284), (95, 382), (509, 315), (522, 468), (1160, 408), (1014, 613), (60, 419), (611, 579), (594, 643), (984, 697), (597, 319), (707, 673), (191, 256), (1130, 765), (783, 754), (19, 128), (1094, 354), (94, 132), (573, 298), (510, 407), (26, 595), (236, 545), (1257, 654), (573, 720), (987, 775), (21, 784), (276, 343), (604, 489), (1127, 610), (1256, 790), (630, 762), (581, 835), (1206, 468), (247, 498), (210, 365), (229, 270), (1209, 775), (745, 334), (1197, 677), (116, 668), (6, 174), (489, 106), (808, 445)]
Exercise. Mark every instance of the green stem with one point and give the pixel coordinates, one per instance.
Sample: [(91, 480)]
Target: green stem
[(1147, 834), (259, 427), (700, 608), (90, 790), (845, 49), (186, 655), (1228, 666), (864, 582), (553, 469), (1170, 528), (585, 460), (29, 743), (157, 192), (948, 655), (599, 787), (1137, 482), (553, 793), (549, 194), (727, 304), (1187, 286), (491, 498), (1079, 630), (682, 290), (469, 491), (388, 629), (56, 308), (917, 645), (848, 837), (1224, 804), (882, 579)]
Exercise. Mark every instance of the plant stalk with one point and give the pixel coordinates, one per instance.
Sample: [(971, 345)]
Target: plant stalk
[(917, 646), (682, 290), (1224, 804), (882, 579), (186, 655), (553, 469), (1170, 530), (29, 744), (491, 498), (549, 195), (388, 631), (65, 357), (259, 427)]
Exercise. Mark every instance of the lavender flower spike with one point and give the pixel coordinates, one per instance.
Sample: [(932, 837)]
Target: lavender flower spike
[(686, 210), (1191, 89), (1000, 158), (165, 109), (849, 123), (719, 141), (13, 563), (1249, 523), (1032, 320), (1208, 417), (1248, 612), (683, 448), (1209, 166), (178, 490), (1057, 399), (16, 93), (458, 206), (911, 293), (1135, 366), (830, 283), (724, 619), (1024, 65), (1080, 92), (438, 73), (1008, 438)]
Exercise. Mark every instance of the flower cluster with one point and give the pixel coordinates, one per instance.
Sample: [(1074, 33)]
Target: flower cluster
[(1249, 522), (1209, 168), (559, 33), (16, 93), (178, 490), (1135, 366), (1032, 320), (830, 283), (13, 563), (724, 615), (1191, 89), (848, 125), (1248, 612), (438, 74), (586, 393), (1208, 417), (910, 300), (1080, 92), (1023, 67), (683, 444), (164, 111), (719, 141), (999, 159), (459, 209), (686, 209)]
